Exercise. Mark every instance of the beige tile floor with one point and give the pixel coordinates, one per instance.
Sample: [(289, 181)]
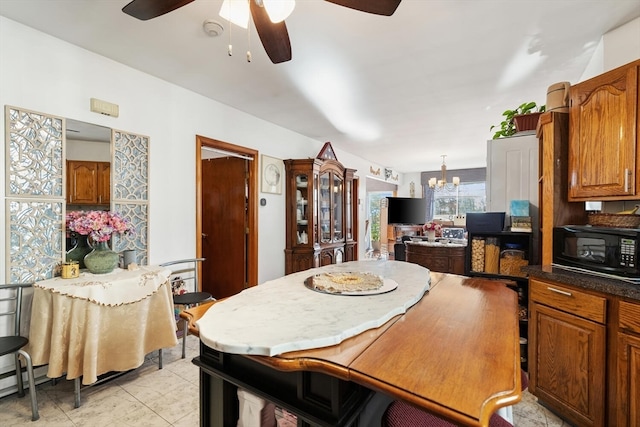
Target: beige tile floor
[(149, 397)]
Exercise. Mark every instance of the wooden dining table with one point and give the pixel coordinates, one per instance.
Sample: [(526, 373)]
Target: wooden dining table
[(454, 353)]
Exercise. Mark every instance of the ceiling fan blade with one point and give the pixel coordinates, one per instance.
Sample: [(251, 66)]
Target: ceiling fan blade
[(378, 7), (148, 9), (274, 37)]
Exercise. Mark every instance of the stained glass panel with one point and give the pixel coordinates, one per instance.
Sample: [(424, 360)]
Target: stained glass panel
[(34, 160), (131, 171), (35, 239), (138, 215)]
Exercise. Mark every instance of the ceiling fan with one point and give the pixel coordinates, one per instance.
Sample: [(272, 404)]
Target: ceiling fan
[(274, 36)]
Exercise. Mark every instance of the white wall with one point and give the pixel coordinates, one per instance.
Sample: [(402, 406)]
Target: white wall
[(622, 45), (44, 74), (404, 188), (617, 47), (88, 150)]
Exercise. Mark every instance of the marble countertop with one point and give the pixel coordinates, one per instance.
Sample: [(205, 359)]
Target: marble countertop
[(437, 244), (283, 315), (585, 281)]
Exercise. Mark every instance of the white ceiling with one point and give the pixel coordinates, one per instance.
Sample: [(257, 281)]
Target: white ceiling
[(399, 91)]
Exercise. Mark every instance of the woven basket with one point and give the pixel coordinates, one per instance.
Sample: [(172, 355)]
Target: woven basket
[(614, 220)]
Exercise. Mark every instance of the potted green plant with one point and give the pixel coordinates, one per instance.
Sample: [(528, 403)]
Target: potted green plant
[(524, 117)]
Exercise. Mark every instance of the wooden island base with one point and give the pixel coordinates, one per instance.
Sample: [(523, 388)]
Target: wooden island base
[(454, 353), (444, 258)]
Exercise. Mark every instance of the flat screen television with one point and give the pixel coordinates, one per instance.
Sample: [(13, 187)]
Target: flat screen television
[(406, 210)]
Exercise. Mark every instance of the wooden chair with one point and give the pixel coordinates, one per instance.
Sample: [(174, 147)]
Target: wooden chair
[(185, 281), (402, 414), (11, 307)]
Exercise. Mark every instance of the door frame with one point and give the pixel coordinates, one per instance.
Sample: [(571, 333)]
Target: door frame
[(252, 202)]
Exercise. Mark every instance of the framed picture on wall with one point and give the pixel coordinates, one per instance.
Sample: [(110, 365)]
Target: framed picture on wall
[(272, 175)]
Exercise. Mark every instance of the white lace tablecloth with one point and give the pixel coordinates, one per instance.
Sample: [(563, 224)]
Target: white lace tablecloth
[(112, 289)]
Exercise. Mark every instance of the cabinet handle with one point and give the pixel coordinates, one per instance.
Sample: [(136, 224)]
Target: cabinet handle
[(626, 180), (558, 291)]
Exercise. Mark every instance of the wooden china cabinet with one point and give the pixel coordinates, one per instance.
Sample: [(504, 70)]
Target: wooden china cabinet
[(321, 212)]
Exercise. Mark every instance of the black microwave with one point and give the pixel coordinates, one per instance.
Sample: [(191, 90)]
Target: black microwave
[(609, 251)]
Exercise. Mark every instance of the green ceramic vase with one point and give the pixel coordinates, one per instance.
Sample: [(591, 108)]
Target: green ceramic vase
[(102, 259), (79, 251)]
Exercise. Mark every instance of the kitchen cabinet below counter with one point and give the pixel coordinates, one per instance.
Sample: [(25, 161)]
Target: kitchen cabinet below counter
[(440, 257), (589, 327)]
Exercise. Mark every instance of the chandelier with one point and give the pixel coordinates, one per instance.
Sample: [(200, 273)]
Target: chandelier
[(442, 184)]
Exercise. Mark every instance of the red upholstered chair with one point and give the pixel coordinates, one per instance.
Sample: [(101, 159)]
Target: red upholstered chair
[(402, 414)]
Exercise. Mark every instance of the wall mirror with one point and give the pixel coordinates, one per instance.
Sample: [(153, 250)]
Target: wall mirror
[(37, 198)]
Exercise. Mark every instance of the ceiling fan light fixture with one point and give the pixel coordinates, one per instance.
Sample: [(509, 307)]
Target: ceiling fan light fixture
[(279, 10), (236, 11)]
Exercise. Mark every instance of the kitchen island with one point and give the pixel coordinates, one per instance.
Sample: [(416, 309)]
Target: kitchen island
[(454, 352)]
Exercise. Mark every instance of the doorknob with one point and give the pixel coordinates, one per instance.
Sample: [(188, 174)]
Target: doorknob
[(204, 235)]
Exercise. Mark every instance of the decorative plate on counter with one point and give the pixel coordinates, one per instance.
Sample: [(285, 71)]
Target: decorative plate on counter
[(350, 283)]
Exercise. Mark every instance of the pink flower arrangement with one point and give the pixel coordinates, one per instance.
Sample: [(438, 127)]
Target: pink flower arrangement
[(432, 226), (98, 225)]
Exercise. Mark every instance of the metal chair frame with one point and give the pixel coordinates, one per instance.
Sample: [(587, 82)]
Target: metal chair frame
[(189, 299), (15, 343)]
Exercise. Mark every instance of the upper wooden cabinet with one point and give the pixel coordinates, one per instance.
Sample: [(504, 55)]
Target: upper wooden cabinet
[(604, 125), (88, 183)]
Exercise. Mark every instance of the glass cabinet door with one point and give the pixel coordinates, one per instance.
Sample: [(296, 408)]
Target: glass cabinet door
[(337, 208), (302, 209), (325, 207), (348, 210)]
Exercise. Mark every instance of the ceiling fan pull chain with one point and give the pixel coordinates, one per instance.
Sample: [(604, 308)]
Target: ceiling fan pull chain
[(248, 44), (230, 47)]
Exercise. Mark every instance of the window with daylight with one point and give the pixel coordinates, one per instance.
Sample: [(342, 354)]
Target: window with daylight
[(376, 191), (447, 203)]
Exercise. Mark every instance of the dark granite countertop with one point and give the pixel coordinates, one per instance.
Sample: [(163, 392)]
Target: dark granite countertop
[(585, 281)]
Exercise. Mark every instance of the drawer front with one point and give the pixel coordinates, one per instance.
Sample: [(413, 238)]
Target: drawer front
[(629, 316), (440, 264), (573, 301), (440, 252)]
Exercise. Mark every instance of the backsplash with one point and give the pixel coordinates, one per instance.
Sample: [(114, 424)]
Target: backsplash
[(619, 206)]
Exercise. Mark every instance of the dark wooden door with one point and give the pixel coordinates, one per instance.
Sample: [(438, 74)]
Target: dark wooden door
[(224, 225)]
